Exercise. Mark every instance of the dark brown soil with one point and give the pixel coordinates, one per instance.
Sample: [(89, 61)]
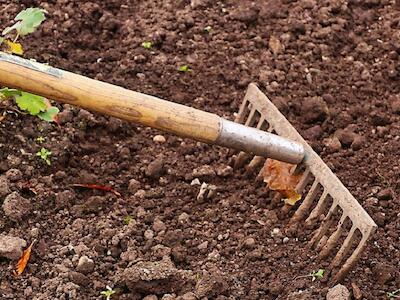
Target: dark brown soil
[(345, 52)]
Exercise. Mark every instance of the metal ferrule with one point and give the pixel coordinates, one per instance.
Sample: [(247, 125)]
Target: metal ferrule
[(258, 142)]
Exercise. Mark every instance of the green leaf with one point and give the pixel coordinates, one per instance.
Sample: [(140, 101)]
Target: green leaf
[(184, 68), (32, 103), (28, 20), (1, 40), (49, 114), (8, 93), (317, 274), (147, 45)]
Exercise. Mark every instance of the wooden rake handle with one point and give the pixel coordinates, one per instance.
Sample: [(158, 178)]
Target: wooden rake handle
[(140, 108)]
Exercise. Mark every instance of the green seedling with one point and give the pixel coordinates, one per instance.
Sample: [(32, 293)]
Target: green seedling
[(394, 294), (314, 275), (127, 219), (40, 139), (44, 154), (108, 292), (185, 69), (208, 29), (27, 22), (147, 45)]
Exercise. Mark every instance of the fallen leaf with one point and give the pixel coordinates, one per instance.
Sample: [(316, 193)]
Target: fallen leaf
[(98, 187), (279, 178), (23, 261), (14, 48)]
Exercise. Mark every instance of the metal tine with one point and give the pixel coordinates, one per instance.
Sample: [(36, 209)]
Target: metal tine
[(243, 156), (257, 160), (308, 200), (350, 262), (333, 239), (241, 116), (318, 209), (344, 249), (326, 223)]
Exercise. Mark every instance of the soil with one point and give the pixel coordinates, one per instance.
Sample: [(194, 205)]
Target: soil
[(332, 67)]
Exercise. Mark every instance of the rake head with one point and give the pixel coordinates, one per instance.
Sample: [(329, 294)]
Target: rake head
[(342, 226)]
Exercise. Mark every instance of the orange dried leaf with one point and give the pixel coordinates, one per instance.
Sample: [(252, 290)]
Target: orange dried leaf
[(23, 261), (279, 178)]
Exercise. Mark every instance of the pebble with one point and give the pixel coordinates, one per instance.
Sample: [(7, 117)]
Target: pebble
[(16, 207), (333, 144), (85, 265), (140, 194), (195, 181), (345, 136), (188, 296), (150, 297), (358, 142), (159, 139), (249, 243), (183, 217), (276, 232), (11, 247), (78, 278), (338, 292), (203, 171), (225, 171), (203, 246), (155, 169), (168, 297), (159, 225), (4, 186), (148, 234), (133, 186), (285, 240)]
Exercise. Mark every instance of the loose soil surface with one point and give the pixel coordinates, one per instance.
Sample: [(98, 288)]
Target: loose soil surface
[(332, 67)]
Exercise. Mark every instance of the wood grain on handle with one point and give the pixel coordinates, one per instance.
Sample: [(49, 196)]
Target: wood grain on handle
[(111, 100)]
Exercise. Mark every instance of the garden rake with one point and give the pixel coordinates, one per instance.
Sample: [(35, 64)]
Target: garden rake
[(259, 131)]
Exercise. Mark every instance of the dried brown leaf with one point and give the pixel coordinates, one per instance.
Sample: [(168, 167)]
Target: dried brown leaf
[(23, 261)]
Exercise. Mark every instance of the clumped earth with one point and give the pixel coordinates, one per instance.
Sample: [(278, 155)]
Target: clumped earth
[(332, 67)]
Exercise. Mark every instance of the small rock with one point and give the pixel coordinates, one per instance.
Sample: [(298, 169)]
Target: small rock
[(246, 14), (203, 171), (148, 234), (199, 3), (4, 186), (16, 207), (188, 296), (195, 181), (133, 186), (207, 191), (85, 265), (249, 243), (159, 139), (140, 194), (155, 169), (203, 246), (275, 45), (159, 225), (169, 297), (313, 133), (345, 136), (225, 171), (338, 292), (358, 142), (13, 175), (385, 194), (35, 232), (276, 232), (285, 240), (78, 278), (11, 247), (183, 217), (333, 144), (150, 297)]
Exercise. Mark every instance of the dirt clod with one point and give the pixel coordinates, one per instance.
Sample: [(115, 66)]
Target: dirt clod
[(338, 292), (155, 169), (4, 186), (85, 265), (211, 284), (16, 207)]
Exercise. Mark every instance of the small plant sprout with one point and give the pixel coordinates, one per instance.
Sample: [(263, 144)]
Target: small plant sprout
[(185, 69), (127, 219), (108, 292), (208, 29), (314, 275), (44, 154), (394, 294), (147, 45), (40, 139)]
